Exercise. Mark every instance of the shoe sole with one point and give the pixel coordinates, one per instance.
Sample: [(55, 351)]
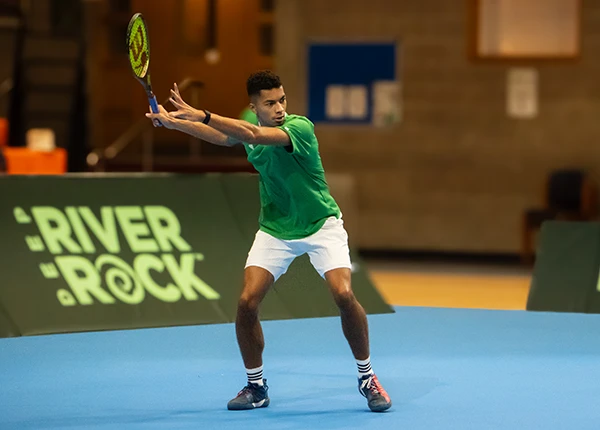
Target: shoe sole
[(380, 408), (248, 407)]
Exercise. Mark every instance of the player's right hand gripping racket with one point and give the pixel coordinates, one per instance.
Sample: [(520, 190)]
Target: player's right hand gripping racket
[(138, 46)]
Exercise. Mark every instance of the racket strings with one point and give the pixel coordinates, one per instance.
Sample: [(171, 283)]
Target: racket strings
[(138, 49)]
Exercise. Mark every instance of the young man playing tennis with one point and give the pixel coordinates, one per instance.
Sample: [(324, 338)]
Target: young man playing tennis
[(298, 216)]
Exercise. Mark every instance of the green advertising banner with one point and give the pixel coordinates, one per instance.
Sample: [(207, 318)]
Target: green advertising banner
[(566, 273), (95, 252)]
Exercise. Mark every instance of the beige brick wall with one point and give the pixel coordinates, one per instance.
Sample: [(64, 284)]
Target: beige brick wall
[(456, 174)]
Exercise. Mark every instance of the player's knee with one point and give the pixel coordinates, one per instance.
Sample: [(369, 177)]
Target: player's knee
[(344, 298), (248, 304)]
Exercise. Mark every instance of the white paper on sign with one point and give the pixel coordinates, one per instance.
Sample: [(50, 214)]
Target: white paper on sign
[(386, 103), (357, 101), (335, 101), (522, 93)]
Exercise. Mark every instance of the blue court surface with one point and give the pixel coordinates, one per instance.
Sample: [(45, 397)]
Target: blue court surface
[(443, 368)]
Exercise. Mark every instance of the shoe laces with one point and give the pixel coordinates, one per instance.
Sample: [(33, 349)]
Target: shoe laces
[(250, 388), (246, 389), (374, 386)]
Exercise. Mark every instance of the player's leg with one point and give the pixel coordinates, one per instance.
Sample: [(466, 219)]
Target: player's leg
[(330, 255), (268, 259), (257, 282), (356, 330), (354, 318)]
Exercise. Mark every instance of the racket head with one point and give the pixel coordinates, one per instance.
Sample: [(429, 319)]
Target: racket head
[(138, 47)]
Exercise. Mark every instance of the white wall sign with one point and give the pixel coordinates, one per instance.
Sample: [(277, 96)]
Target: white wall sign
[(335, 100), (352, 102), (357, 101), (522, 93), (386, 103), (346, 102)]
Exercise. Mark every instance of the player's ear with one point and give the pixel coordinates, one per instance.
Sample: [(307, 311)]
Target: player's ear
[(252, 108)]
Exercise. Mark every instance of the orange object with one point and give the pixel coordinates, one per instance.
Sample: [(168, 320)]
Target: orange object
[(24, 161), (3, 132)]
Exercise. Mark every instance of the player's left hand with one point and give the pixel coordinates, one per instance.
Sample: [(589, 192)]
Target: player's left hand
[(161, 118), (184, 110)]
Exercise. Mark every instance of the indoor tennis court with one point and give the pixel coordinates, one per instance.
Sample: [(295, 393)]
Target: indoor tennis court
[(445, 368), (457, 138)]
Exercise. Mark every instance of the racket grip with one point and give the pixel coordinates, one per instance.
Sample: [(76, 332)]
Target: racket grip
[(154, 105)]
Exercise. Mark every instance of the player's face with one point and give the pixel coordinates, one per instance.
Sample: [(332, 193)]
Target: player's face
[(270, 107)]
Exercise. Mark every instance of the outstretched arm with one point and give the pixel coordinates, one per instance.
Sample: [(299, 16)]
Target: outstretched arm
[(199, 130), (240, 130), (249, 133)]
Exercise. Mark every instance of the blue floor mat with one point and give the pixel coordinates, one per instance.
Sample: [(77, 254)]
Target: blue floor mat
[(444, 369)]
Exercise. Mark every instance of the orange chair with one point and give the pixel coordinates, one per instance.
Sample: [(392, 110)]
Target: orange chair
[(24, 161), (3, 132)]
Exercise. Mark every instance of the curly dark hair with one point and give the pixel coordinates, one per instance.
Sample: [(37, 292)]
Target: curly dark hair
[(262, 80)]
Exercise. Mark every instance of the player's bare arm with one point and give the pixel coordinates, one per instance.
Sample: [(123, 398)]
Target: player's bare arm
[(198, 130), (237, 129), (250, 133)]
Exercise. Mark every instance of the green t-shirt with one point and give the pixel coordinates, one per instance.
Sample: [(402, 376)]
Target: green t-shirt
[(294, 196), (249, 116)]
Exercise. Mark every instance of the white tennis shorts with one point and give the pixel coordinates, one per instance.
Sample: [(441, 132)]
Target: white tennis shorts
[(327, 250)]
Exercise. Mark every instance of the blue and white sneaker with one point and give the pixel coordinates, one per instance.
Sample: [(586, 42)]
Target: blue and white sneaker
[(252, 396)]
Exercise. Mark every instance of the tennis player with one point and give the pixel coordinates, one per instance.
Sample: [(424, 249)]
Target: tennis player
[(298, 216)]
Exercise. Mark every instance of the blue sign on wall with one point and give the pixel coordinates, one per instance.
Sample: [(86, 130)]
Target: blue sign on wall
[(342, 79)]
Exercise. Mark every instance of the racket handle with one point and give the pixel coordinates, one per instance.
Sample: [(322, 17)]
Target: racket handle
[(153, 103), (154, 106)]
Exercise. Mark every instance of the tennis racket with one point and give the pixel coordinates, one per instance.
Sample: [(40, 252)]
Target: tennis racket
[(138, 46)]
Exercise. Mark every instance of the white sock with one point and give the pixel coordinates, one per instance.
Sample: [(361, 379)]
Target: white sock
[(364, 367), (255, 376)]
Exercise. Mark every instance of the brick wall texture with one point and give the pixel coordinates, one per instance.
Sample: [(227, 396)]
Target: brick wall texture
[(456, 173)]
